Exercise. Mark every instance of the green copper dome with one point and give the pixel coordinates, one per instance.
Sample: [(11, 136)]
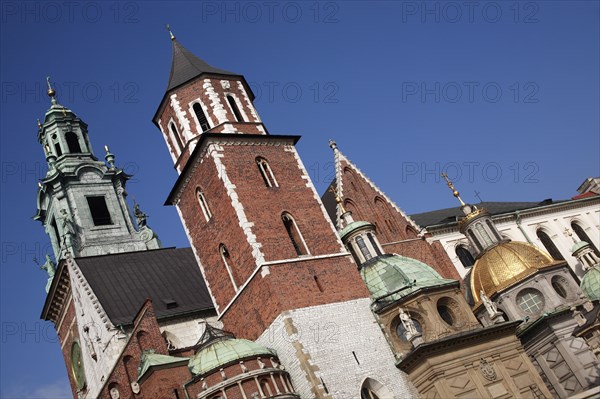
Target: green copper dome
[(590, 284), (391, 277), (577, 246), (223, 351), (353, 227)]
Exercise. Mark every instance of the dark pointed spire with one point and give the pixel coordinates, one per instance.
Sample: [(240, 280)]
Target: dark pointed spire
[(186, 66)]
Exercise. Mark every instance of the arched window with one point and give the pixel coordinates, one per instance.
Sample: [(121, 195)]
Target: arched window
[(203, 204), (294, 234), (550, 247), (475, 240), (363, 248), (487, 240), (175, 134), (201, 117), (234, 108), (493, 229), (583, 236), (372, 389), (57, 149), (72, 143), (226, 261), (465, 256), (266, 172), (374, 243), (411, 232)]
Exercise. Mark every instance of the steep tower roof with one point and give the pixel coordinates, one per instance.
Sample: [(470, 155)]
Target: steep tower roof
[(185, 66)]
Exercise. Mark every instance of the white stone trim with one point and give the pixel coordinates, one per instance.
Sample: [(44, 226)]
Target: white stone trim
[(381, 193), (184, 122), (162, 130), (209, 118), (266, 265), (215, 102), (216, 153), (310, 185), (242, 90), (189, 237)]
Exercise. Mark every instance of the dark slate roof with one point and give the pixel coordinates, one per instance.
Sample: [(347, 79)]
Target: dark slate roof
[(122, 282), (186, 66), (330, 204), (450, 215)]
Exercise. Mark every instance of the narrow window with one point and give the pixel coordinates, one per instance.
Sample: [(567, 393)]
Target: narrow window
[(266, 172), (201, 117), (465, 256), (475, 240), (363, 248), (319, 286), (55, 229), (203, 204), (487, 240), (175, 133), (355, 357), (57, 149), (226, 260), (583, 236), (73, 143), (99, 211), (374, 244), (234, 108), (550, 247), (493, 230), (294, 234)]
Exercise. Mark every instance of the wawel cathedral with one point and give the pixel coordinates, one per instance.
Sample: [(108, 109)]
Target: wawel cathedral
[(288, 294)]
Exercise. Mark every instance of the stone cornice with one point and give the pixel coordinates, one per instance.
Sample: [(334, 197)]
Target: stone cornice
[(208, 140), (454, 342), (452, 227)]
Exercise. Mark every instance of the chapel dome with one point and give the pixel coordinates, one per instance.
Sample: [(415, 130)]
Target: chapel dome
[(590, 283), (505, 265)]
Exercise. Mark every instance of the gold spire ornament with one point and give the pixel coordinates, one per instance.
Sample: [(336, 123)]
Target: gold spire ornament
[(454, 190), (338, 200), (170, 32), (51, 92)]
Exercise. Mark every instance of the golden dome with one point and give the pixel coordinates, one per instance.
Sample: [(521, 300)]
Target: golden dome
[(506, 264)]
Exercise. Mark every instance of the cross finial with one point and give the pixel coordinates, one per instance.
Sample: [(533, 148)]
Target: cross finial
[(51, 92), (170, 32), (454, 190), (478, 196), (332, 144)]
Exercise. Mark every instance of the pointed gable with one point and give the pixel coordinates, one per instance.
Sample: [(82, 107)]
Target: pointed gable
[(396, 231)]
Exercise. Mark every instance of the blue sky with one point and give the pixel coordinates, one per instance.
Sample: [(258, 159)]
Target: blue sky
[(503, 96)]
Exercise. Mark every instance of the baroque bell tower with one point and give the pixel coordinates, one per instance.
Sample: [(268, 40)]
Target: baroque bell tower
[(82, 201)]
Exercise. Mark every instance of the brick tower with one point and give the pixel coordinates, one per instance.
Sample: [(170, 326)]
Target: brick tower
[(274, 264)]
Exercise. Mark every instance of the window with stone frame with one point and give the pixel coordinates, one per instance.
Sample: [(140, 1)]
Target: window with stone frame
[(175, 135), (294, 234), (580, 231), (203, 204), (549, 245), (234, 108), (201, 117), (465, 256), (266, 172), (99, 210), (227, 263)]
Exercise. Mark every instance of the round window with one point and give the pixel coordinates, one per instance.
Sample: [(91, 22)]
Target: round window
[(560, 285), (401, 331), (530, 301)]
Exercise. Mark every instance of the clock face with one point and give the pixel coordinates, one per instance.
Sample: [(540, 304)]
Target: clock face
[(77, 366)]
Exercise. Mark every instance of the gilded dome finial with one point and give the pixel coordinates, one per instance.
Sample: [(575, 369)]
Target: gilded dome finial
[(454, 190), (51, 92), (170, 32)]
